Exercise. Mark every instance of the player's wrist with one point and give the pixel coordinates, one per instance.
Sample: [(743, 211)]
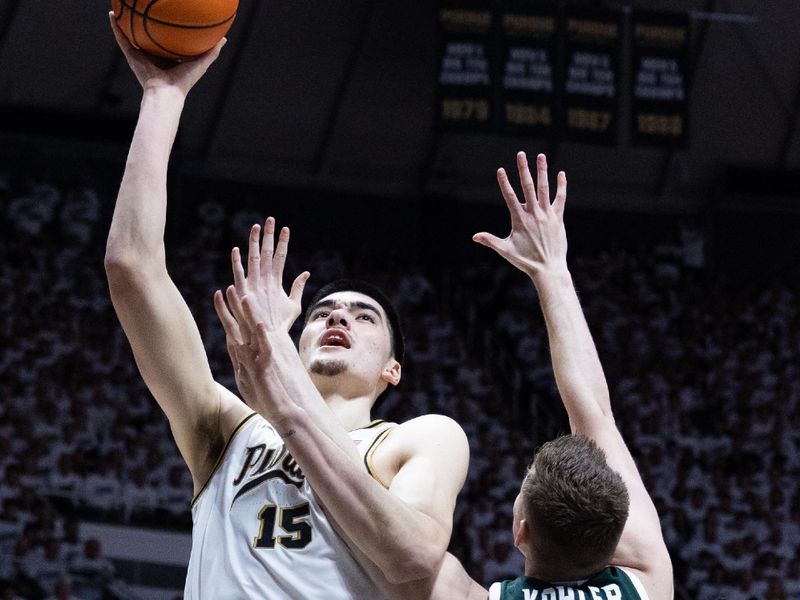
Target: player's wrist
[(549, 274), (162, 93)]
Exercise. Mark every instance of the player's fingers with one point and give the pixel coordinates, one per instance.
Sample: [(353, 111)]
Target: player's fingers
[(229, 324), (542, 183), (526, 180), (489, 240), (250, 316), (281, 250), (235, 305), (254, 255), (514, 207), (211, 55), (264, 346), (239, 279), (268, 246), (561, 194), (296, 293), (123, 41)]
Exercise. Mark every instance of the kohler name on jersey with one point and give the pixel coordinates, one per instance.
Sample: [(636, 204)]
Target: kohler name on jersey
[(560, 592), (267, 463)]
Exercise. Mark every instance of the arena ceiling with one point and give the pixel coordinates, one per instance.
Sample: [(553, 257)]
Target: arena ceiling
[(341, 96)]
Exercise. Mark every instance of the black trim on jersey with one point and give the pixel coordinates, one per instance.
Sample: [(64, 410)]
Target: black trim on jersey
[(374, 423), (274, 474), (222, 456), (368, 454)]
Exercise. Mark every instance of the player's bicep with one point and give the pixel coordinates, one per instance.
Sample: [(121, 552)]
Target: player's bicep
[(436, 456), (642, 543), (168, 351)]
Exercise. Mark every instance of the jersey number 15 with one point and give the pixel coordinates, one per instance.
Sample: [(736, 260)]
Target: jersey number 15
[(292, 521)]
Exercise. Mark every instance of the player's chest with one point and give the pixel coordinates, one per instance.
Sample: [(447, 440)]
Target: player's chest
[(268, 500)]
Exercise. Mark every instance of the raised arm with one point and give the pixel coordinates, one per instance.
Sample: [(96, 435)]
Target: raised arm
[(156, 320), (537, 246), (404, 530)]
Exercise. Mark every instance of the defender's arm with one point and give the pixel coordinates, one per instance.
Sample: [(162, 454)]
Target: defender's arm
[(537, 245)]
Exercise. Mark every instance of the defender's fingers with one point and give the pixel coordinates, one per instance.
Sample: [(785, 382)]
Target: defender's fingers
[(296, 293), (542, 183), (229, 324), (525, 179), (239, 279), (514, 207), (281, 250), (488, 240), (254, 255), (561, 194), (268, 246)]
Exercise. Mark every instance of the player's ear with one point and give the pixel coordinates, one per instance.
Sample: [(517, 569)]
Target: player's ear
[(391, 372), (522, 537)]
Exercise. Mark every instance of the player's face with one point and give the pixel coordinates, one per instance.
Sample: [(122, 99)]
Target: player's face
[(347, 334)]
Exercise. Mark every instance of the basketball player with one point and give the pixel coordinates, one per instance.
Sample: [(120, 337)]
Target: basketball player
[(259, 529), (583, 518)]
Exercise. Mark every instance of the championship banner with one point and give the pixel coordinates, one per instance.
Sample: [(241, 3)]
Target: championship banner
[(465, 66), (593, 40), (529, 54), (660, 79)]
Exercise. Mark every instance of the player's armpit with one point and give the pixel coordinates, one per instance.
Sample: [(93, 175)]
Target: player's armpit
[(424, 463)]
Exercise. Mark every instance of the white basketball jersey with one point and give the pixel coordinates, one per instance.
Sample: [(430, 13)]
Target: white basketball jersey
[(259, 532)]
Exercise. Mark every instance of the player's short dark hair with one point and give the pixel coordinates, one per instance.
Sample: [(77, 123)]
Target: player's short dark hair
[(576, 505), (362, 287)]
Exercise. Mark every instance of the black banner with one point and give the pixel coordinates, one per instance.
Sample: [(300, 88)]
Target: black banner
[(660, 79), (530, 46), (465, 66), (593, 40)]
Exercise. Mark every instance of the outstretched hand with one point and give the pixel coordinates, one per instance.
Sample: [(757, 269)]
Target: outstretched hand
[(181, 76), (257, 300), (538, 240), (248, 344)]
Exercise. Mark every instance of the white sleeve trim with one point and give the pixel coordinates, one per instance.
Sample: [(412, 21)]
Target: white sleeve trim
[(637, 583), (494, 591)]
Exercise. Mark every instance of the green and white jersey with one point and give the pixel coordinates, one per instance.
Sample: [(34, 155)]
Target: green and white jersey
[(259, 531), (612, 583)]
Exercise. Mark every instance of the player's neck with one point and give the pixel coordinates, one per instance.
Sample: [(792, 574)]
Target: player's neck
[(544, 572), (351, 412)]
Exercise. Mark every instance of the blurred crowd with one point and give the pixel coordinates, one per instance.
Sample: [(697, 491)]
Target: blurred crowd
[(704, 383)]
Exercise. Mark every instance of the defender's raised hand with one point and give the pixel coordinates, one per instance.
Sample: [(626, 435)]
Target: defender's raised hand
[(538, 240)]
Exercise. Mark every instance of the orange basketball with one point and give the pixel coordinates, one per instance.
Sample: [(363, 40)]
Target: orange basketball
[(174, 28)]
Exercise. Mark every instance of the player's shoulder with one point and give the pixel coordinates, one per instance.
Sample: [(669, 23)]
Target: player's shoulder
[(232, 412), (431, 429), (432, 424)]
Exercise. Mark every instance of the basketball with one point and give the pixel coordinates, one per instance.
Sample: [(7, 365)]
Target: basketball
[(175, 29)]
